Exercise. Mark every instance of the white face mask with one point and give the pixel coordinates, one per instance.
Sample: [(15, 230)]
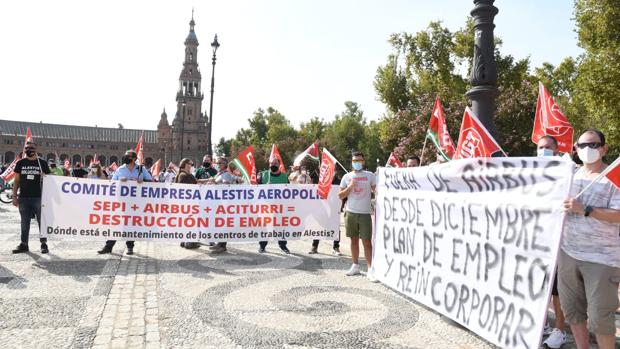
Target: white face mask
[(544, 152), (589, 155)]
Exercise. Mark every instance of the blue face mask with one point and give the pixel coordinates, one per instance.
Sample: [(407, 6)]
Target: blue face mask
[(544, 152), (357, 166)]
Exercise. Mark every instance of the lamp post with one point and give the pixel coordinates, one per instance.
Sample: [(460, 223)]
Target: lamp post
[(182, 128), (215, 44), (484, 70)]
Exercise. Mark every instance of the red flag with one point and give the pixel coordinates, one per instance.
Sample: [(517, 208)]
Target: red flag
[(174, 166), (67, 164), (113, 166), (438, 132), (28, 139), (393, 161), (93, 161), (140, 149), (245, 163), (9, 173), (613, 173), (156, 168), (475, 141), (326, 176), (312, 151), (550, 121), (276, 154)]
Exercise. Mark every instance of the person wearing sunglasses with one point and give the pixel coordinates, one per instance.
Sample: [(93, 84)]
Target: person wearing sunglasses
[(128, 171), (589, 258), (29, 173)]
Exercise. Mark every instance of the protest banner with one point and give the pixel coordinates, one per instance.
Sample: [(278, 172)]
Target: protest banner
[(90, 209), (475, 240)]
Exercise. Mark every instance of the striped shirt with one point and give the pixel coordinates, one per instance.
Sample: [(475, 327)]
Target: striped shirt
[(587, 238)]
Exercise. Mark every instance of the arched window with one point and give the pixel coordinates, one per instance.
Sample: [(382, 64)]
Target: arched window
[(101, 159), (9, 156), (50, 156), (87, 160), (76, 158), (113, 159), (148, 162)]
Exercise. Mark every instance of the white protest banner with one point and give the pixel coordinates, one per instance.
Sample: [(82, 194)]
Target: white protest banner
[(475, 240), (77, 209)]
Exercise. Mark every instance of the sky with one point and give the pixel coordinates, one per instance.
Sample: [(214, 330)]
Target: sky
[(108, 62)]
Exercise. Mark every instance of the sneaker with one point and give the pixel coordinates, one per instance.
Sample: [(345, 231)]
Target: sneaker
[(354, 270), (547, 330), (182, 244), (371, 278), (129, 250), (105, 250), (44, 248), (212, 247), (286, 250), (313, 250), (555, 339), (217, 249), (192, 245), (21, 248), (337, 252), (261, 250)]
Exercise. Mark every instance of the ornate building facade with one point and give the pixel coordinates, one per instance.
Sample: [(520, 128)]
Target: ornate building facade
[(186, 137)]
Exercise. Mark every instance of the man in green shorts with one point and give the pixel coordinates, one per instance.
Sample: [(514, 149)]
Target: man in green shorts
[(357, 187)]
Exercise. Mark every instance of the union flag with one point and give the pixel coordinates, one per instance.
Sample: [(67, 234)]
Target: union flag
[(550, 121), (475, 141)]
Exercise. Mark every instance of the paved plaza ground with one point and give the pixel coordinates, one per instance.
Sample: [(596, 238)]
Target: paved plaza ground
[(168, 297)]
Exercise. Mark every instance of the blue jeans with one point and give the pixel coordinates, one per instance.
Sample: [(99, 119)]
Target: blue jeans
[(27, 208)]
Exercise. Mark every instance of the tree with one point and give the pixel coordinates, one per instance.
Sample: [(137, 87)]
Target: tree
[(345, 133), (597, 84)]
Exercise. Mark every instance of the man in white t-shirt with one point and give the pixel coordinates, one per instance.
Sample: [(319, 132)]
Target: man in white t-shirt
[(357, 186), (589, 261)]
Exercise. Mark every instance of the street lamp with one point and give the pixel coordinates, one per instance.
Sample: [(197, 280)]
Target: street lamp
[(182, 128), (484, 70), (215, 46)]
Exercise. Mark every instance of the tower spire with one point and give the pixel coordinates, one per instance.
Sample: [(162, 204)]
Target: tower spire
[(192, 23)]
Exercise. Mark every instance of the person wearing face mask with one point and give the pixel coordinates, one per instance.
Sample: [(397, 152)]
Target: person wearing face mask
[(357, 186), (28, 180), (548, 146), (186, 168), (78, 172), (273, 176), (206, 171), (589, 258), (55, 170), (128, 171), (96, 172), (223, 176)]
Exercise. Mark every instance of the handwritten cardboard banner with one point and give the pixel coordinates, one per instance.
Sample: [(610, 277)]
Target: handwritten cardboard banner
[(475, 240)]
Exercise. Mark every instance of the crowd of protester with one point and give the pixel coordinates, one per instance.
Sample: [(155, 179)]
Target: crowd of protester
[(585, 286)]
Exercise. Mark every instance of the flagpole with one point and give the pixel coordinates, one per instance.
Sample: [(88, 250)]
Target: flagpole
[(345, 170), (423, 149), (598, 178)]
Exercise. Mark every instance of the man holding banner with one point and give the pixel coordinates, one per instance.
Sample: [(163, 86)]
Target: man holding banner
[(357, 187), (133, 172), (29, 173), (589, 259), (273, 176)]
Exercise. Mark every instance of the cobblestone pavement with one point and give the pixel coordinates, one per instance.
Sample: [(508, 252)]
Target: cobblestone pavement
[(168, 297)]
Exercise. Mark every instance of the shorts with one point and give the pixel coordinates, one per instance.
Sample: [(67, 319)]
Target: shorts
[(358, 225), (588, 291)]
